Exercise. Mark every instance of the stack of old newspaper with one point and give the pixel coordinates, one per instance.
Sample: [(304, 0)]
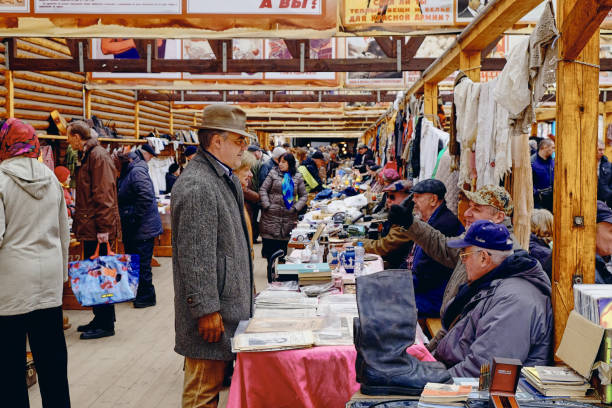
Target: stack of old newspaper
[(288, 320)]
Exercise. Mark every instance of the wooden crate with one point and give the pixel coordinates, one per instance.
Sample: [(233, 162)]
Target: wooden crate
[(163, 243)]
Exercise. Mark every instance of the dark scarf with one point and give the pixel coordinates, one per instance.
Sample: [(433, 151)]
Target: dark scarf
[(467, 291)]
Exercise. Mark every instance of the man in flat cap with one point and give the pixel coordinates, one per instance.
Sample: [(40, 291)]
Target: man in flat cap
[(364, 154), (211, 262), (395, 242), (490, 202), (430, 277)]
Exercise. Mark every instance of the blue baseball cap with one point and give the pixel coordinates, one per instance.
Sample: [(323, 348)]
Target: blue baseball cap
[(485, 234)]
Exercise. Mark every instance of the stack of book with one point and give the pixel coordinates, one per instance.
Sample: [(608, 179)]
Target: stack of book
[(594, 302), (556, 381), (305, 273), (444, 395)]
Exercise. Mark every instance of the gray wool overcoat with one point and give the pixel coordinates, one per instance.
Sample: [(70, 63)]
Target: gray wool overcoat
[(211, 259)]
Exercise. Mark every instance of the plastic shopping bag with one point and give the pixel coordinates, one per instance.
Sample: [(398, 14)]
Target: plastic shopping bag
[(107, 279)]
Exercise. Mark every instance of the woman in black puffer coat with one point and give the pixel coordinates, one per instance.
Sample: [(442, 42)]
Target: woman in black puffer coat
[(283, 195)]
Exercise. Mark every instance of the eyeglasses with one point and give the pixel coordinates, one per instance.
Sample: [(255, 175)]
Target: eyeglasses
[(239, 140), (463, 254)]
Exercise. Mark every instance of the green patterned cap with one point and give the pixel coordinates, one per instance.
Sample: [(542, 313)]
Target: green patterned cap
[(492, 195)]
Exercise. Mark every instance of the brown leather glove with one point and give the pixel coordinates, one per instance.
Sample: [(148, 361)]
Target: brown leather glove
[(210, 327)]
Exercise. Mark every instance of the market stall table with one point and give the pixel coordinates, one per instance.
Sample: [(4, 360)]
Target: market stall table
[(314, 377)]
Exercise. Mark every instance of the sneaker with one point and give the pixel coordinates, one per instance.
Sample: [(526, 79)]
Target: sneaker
[(97, 334)]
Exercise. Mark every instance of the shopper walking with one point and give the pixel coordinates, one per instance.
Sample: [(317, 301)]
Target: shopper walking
[(34, 241), (251, 196), (283, 196), (211, 262), (140, 221), (543, 168), (96, 219)]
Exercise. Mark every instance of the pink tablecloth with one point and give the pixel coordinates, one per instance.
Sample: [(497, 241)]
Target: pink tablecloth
[(315, 377)]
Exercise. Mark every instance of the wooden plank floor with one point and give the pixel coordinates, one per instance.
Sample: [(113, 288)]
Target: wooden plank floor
[(137, 367)]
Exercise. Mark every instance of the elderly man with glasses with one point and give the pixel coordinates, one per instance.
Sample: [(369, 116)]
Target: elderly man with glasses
[(492, 203), (211, 255), (504, 309)]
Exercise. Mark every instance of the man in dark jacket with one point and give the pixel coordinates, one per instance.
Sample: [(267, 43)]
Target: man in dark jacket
[(312, 165), (171, 176), (430, 277), (140, 221), (364, 154), (96, 218), (604, 176), (543, 171), (395, 243), (504, 309), (603, 244), (211, 262)]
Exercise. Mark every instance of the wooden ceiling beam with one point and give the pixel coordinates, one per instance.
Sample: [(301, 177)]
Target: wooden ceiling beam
[(590, 14), (265, 98)]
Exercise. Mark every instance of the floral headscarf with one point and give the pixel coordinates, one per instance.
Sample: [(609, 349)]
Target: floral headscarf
[(18, 139)]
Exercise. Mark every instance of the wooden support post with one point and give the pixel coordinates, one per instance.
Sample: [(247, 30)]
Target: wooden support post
[(10, 94), (87, 112), (431, 101), (137, 120), (469, 63), (171, 124), (195, 119), (575, 184)]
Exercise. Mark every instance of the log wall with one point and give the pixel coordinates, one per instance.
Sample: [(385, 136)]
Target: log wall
[(36, 94)]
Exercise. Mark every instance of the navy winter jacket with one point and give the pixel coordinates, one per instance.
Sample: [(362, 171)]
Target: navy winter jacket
[(430, 277), (312, 169), (539, 250), (604, 181), (137, 203)]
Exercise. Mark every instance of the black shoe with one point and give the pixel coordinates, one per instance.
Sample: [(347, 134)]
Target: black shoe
[(141, 304), (86, 327), (97, 334)]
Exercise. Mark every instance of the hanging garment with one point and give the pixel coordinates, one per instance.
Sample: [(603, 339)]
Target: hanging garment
[(430, 140), (485, 147), (158, 167), (449, 177), (415, 154), (466, 100), (46, 153), (543, 54)]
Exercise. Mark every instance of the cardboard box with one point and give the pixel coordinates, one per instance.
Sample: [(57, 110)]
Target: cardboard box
[(583, 343)]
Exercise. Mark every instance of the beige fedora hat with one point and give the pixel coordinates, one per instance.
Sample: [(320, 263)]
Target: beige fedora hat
[(225, 117)]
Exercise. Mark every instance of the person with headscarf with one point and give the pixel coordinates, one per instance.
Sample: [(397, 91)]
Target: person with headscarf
[(283, 196), (34, 242), (63, 176)]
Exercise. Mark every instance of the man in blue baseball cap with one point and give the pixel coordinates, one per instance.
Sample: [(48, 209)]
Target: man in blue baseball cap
[(504, 309)]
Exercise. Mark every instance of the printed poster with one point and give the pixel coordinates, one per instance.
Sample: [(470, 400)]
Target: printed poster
[(468, 9), (398, 12), (255, 7), (367, 47), (125, 48), (107, 6), (319, 49), (243, 48), (14, 6)]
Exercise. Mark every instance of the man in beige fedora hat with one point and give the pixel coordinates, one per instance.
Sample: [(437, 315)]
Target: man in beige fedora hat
[(211, 262)]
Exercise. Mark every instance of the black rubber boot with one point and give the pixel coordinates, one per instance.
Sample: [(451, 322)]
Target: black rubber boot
[(386, 326)]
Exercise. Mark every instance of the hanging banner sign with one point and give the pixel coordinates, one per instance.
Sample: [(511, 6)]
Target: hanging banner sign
[(108, 6), (255, 7), (398, 12)]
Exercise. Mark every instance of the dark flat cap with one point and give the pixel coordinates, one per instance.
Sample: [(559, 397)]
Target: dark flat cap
[(254, 148), (149, 149), (189, 150), (432, 186), (318, 155)]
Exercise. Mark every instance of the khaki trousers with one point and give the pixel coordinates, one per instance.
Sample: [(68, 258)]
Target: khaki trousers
[(203, 381)]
